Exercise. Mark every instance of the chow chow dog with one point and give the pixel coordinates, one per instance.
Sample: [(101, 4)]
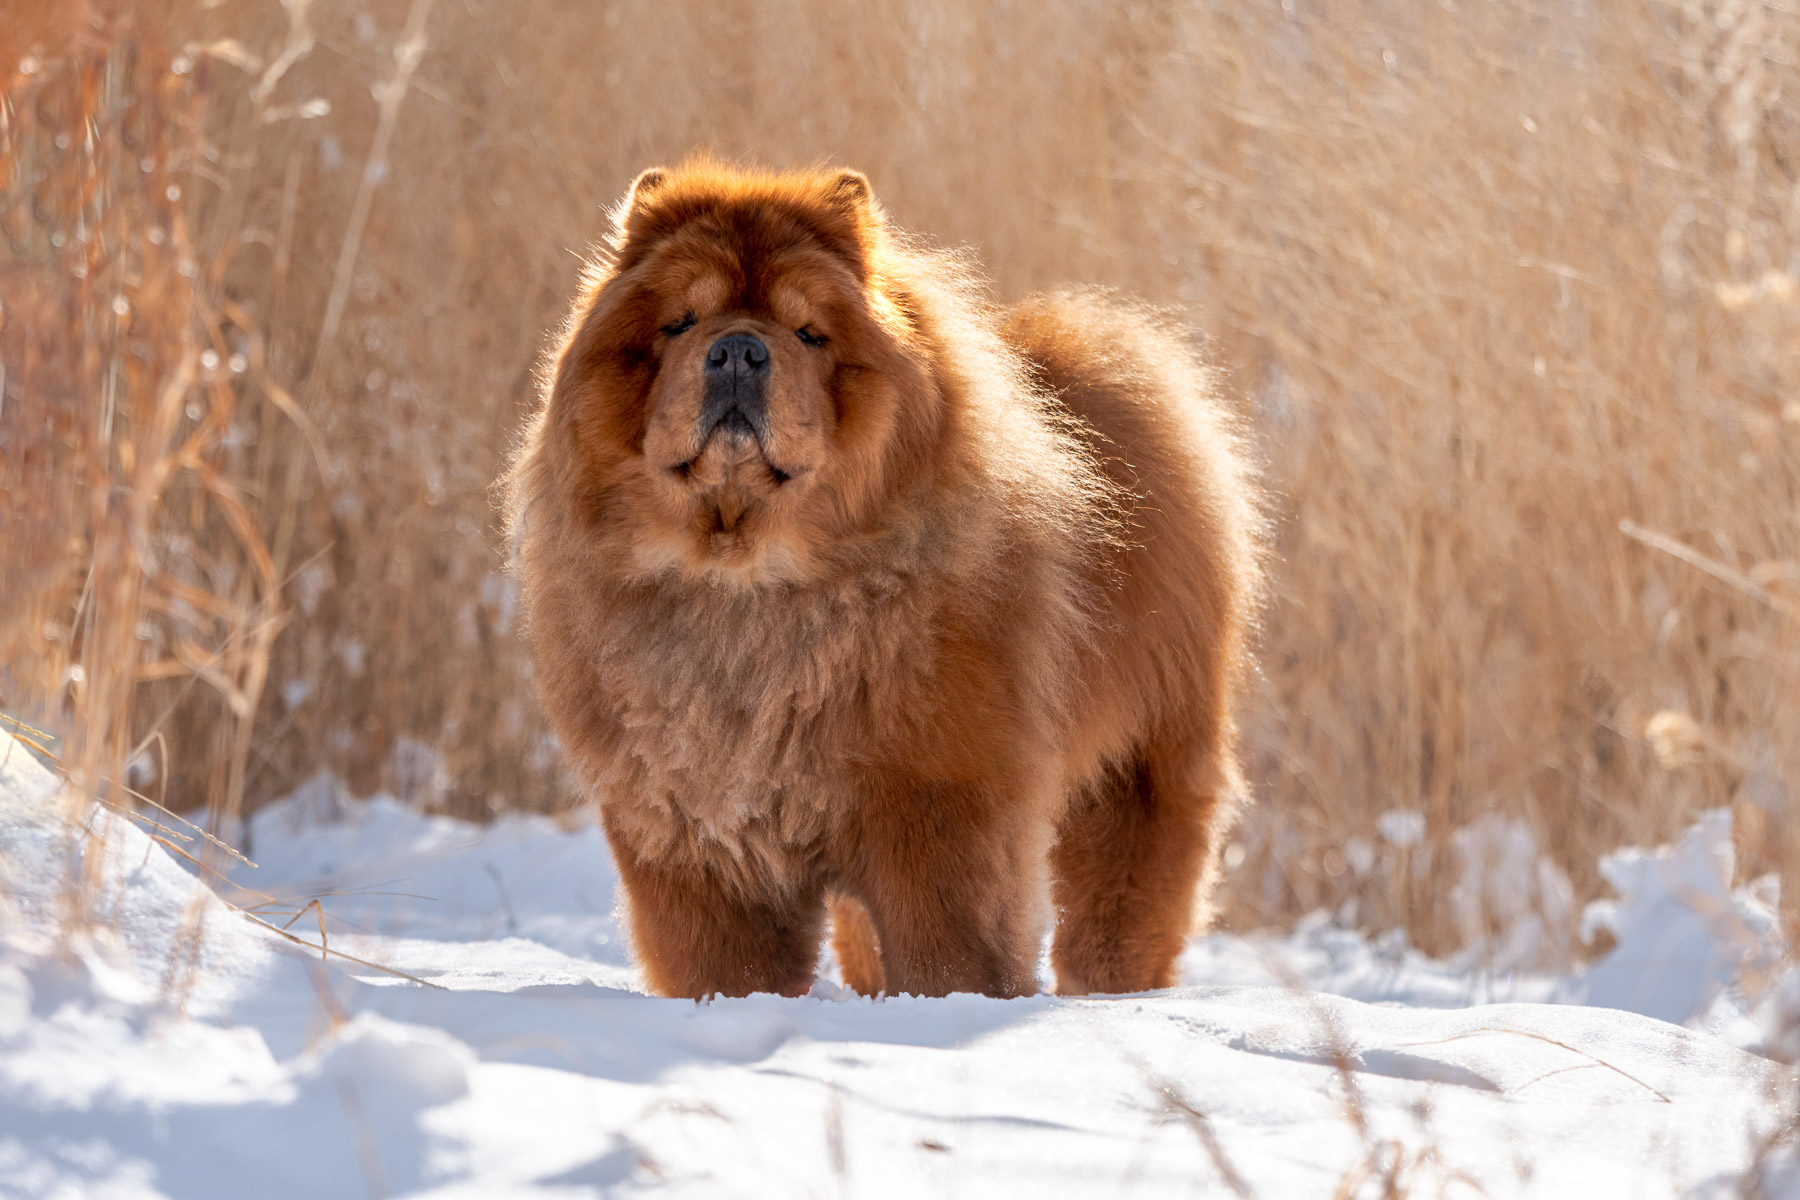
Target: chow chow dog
[(851, 592)]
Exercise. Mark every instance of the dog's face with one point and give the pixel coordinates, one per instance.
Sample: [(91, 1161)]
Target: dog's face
[(739, 386)]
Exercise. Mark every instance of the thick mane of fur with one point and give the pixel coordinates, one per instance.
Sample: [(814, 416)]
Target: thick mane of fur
[(1021, 496), (1022, 511), (1016, 579)]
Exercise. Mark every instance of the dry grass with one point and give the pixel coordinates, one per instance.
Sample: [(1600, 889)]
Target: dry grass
[(137, 562), (1511, 292)]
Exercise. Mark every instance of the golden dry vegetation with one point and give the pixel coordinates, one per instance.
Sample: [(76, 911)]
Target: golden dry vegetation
[(1510, 293)]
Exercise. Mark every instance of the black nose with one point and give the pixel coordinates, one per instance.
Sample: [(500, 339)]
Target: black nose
[(738, 355), (737, 384)]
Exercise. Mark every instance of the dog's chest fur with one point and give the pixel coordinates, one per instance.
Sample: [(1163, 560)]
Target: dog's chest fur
[(736, 719)]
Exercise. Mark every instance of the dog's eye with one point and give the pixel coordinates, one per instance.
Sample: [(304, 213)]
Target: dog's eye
[(680, 327), (806, 335)]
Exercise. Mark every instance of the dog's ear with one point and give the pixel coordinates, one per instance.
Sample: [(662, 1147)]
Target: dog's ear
[(645, 186), (631, 216), (851, 192), (856, 218)]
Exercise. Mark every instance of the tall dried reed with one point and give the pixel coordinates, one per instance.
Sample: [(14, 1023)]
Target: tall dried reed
[(140, 582), (1509, 291)]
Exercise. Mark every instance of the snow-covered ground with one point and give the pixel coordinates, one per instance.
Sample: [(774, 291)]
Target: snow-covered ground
[(180, 1049)]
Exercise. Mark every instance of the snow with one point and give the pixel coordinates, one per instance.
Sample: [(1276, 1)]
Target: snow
[(529, 1063), (1683, 934)]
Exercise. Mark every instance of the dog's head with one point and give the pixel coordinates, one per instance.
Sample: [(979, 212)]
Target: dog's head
[(743, 383)]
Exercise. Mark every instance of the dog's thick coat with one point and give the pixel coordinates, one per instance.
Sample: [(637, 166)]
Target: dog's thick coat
[(847, 588)]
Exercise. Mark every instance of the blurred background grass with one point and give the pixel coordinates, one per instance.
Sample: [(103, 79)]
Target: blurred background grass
[(1509, 292)]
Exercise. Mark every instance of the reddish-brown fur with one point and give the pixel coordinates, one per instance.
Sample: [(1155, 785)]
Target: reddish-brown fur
[(956, 636)]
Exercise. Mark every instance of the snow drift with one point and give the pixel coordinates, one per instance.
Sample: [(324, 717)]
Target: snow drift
[(177, 1048)]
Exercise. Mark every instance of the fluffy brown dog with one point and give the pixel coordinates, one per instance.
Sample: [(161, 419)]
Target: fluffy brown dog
[(843, 584)]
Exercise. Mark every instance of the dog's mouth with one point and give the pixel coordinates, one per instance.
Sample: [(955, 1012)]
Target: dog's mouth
[(731, 478), (733, 453)]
